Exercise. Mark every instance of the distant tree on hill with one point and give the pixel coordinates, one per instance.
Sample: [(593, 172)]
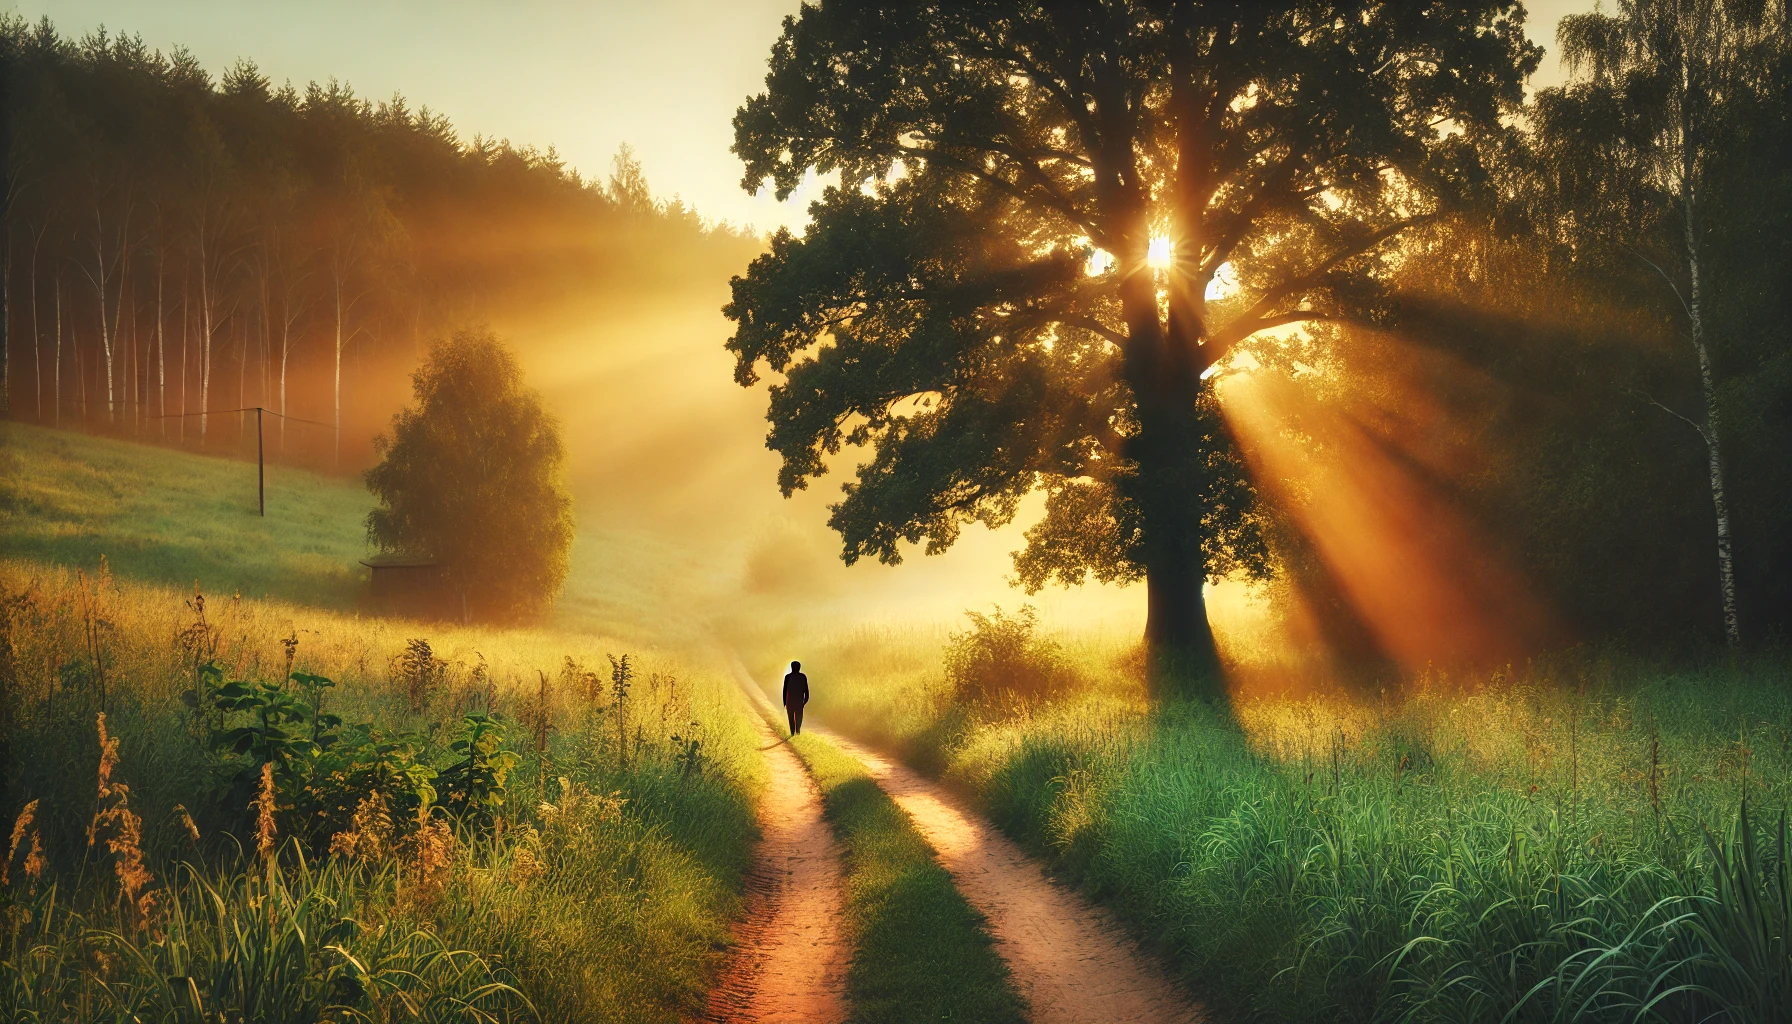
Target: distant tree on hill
[(471, 478)]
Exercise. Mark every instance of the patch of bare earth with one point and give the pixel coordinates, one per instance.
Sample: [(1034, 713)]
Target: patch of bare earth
[(791, 951), (1070, 959)]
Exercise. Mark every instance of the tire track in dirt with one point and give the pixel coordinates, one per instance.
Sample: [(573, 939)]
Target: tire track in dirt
[(1070, 959), (791, 951)]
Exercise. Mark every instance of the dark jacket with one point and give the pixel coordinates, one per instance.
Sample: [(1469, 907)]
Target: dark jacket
[(796, 689)]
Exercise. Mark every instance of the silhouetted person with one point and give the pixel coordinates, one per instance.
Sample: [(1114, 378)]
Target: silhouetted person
[(796, 694)]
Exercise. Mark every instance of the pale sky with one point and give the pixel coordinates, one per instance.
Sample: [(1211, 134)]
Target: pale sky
[(664, 76)]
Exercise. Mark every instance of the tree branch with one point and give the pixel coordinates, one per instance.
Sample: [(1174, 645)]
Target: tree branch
[(1698, 428), (1262, 308)]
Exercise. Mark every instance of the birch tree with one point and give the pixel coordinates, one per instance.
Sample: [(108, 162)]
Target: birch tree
[(1667, 68)]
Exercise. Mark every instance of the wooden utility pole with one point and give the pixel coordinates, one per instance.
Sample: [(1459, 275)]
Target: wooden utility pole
[(261, 470)]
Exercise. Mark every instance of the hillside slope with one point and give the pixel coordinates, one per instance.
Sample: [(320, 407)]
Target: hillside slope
[(168, 517)]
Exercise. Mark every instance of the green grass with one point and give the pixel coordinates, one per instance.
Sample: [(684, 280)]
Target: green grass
[(613, 907), (165, 516), (920, 952), (1562, 846), (610, 907)]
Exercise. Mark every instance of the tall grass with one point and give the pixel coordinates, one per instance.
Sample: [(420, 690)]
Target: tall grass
[(599, 888), (1590, 840), (260, 944)]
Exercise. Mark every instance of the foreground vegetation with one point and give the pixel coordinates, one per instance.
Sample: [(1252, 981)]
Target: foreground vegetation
[(261, 811), (920, 951), (1582, 839)]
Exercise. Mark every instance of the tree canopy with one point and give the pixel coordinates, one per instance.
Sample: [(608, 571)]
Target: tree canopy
[(978, 298), (471, 477)]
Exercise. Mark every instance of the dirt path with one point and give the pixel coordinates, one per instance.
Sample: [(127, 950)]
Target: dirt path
[(1071, 960), (792, 954)]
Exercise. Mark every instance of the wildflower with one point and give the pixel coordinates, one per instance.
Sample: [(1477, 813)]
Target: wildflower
[(432, 857), (264, 812), (124, 839), (187, 820), (108, 761), (34, 860), (18, 835), (370, 833)]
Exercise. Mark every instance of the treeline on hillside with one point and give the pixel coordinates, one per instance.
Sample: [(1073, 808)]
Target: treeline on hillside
[(1605, 357), (176, 245)]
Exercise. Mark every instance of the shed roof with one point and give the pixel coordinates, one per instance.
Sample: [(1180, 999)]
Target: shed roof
[(390, 560)]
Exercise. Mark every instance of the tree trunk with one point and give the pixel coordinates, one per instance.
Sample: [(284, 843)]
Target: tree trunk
[(1176, 623), (285, 351), (242, 373), (6, 326), (1165, 490), (99, 249), (205, 345), (1726, 564), (186, 334), (336, 451), (37, 338), (131, 372), (161, 346), (58, 402)]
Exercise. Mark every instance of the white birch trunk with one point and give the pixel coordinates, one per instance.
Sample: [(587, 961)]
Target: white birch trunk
[(161, 346), (186, 333), (205, 341), (242, 375), (37, 336), (58, 403), (285, 353), (337, 449), (99, 259), (1726, 563), (6, 326)]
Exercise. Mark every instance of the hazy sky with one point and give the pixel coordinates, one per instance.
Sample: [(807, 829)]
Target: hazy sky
[(583, 76)]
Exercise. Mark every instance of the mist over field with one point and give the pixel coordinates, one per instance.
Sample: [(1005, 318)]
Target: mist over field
[(889, 511)]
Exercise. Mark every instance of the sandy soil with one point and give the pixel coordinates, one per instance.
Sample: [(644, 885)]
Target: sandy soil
[(1070, 959), (792, 953)]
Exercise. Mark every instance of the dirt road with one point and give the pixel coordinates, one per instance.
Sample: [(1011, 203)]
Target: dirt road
[(1071, 961), (791, 955)]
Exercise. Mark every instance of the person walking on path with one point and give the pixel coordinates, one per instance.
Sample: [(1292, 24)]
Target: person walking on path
[(796, 694)]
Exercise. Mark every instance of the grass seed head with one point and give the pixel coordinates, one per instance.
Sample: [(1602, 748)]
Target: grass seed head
[(264, 812), (188, 823), (369, 836), (34, 860), (19, 826)]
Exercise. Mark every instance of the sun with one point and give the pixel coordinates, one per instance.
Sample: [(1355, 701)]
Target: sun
[(1161, 253)]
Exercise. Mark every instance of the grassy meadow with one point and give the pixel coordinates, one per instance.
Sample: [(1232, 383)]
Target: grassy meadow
[(160, 515), (290, 812), (1588, 839)]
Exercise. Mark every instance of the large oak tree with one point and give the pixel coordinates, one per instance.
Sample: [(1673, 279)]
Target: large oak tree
[(976, 299)]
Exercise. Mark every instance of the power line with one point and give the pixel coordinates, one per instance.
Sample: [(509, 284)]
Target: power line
[(251, 408)]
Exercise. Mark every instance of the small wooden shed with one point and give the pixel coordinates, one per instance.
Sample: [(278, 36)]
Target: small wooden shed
[(410, 586)]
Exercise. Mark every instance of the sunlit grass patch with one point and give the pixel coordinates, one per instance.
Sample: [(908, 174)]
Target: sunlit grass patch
[(598, 887), (161, 516), (1561, 842)]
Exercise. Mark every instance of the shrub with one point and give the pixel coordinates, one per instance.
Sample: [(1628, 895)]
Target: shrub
[(1001, 661), (471, 478)]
